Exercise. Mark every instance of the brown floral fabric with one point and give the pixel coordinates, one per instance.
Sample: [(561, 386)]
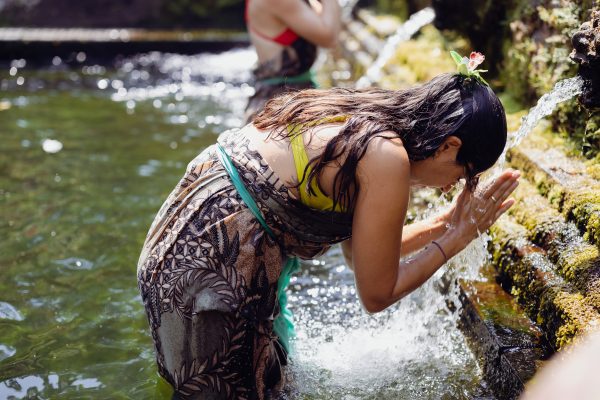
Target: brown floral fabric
[(292, 61), (208, 275)]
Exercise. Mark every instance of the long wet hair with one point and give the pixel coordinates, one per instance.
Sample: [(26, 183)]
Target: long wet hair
[(422, 117)]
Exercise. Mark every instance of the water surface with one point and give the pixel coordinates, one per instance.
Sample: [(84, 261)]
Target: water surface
[(88, 155)]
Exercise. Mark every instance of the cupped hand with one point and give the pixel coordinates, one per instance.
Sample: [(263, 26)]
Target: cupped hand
[(475, 212)]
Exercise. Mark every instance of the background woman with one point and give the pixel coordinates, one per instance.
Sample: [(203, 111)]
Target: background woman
[(213, 268), (285, 34)]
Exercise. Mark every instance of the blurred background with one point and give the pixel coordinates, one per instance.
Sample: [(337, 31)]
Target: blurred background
[(103, 103)]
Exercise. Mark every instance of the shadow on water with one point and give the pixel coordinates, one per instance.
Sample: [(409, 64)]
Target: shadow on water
[(88, 156)]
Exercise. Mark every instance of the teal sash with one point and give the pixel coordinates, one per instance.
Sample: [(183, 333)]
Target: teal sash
[(284, 323), (305, 77)]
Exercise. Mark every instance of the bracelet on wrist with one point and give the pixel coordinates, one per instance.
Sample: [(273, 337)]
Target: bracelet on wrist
[(441, 250)]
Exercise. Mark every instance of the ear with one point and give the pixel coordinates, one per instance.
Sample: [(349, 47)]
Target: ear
[(451, 143)]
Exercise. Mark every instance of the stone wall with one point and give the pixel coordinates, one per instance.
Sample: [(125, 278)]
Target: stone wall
[(528, 46)]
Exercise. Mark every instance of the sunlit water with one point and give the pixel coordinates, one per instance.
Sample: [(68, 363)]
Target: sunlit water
[(404, 32), (87, 157)]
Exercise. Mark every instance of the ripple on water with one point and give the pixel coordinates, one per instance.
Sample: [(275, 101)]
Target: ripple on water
[(6, 351), (9, 312), (149, 168), (75, 263)]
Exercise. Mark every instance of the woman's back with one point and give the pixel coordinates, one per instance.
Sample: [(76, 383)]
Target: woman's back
[(278, 154), (276, 24), (285, 34)]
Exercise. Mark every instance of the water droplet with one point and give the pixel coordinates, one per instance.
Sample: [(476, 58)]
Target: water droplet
[(51, 146), (116, 84), (102, 83)]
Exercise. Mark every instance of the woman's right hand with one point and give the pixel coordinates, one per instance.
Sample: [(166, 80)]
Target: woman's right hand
[(474, 212)]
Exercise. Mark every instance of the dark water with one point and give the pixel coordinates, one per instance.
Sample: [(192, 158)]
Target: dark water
[(86, 159)]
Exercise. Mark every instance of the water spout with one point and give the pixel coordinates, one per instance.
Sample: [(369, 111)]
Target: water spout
[(402, 34)]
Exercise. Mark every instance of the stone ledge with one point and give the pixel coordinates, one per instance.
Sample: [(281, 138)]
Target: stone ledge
[(564, 181), (508, 345), (524, 270), (576, 260)]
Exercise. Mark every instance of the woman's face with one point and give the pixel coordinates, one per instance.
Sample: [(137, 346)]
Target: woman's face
[(440, 170)]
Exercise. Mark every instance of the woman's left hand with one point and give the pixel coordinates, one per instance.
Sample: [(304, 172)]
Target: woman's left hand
[(475, 212)]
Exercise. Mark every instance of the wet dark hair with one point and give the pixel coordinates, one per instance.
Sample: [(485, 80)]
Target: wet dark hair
[(422, 117)]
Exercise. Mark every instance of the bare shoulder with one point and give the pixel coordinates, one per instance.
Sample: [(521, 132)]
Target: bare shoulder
[(385, 155)]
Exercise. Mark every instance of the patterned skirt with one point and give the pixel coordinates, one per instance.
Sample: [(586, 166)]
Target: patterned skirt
[(208, 275)]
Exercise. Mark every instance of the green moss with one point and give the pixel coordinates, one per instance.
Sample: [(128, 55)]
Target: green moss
[(583, 208), (593, 168), (524, 272), (422, 58), (579, 261)]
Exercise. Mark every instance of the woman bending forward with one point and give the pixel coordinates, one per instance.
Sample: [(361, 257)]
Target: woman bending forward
[(315, 167)]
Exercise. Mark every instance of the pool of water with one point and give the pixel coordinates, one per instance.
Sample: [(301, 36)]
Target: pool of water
[(88, 155)]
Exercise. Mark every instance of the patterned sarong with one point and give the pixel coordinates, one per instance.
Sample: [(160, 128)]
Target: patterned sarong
[(208, 274)]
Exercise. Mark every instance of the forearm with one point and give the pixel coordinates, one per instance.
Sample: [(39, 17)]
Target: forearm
[(329, 12), (414, 271), (418, 234)]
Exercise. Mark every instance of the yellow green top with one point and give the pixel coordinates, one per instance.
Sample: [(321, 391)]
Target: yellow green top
[(317, 200)]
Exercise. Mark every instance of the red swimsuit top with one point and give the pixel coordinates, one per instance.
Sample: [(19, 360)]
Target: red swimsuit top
[(285, 38)]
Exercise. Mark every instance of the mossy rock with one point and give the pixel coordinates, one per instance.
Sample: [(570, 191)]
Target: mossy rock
[(527, 274), (576, 260), (575, 194)]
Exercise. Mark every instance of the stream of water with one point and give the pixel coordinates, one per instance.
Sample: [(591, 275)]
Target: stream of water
[(563, 90)]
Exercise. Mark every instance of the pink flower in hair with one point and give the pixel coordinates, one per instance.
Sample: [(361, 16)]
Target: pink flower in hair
[(475, 58)]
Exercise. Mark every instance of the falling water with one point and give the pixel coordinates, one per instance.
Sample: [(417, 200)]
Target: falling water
[(402, 34), (562, 91)]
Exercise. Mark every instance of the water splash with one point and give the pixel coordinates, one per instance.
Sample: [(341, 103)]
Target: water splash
[(402, 34), (411, 348)]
